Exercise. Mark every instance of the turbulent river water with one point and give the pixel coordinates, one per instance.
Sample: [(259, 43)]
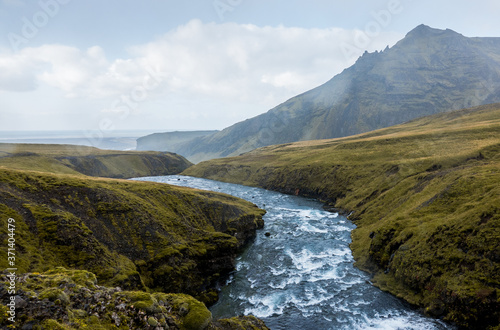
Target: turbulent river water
[(302, 275)]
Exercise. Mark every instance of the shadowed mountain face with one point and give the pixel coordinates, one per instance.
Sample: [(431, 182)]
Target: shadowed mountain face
[(429, 71)]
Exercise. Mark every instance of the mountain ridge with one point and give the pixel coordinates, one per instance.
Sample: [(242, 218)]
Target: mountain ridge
[(427, 72)]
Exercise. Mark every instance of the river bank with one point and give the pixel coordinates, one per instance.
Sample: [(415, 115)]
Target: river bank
[(424, 197)]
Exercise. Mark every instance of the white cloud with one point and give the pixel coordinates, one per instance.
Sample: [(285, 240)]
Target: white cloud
[(204, 58), (64, 67), (17, 73), (238, 66), (71, 69), (246, 61)]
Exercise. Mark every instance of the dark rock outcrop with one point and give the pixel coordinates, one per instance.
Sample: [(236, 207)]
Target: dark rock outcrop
[(89, 305)]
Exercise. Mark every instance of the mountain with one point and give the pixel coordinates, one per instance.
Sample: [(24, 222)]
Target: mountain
[(425, 198), (170, 141), (429, 71)]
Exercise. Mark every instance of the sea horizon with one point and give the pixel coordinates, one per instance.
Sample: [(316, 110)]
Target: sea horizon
[(110, 140)]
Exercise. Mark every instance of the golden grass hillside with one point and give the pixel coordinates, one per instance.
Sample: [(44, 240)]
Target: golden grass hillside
[(71, 159), (425, 197)]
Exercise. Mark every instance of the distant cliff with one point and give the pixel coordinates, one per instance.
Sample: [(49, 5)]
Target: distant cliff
[(90, 161), (429, 71), (170, 141)]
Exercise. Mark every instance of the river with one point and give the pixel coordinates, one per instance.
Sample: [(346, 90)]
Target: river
[(302, 275)]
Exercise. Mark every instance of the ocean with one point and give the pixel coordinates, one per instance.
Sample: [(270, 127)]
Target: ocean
[(115, 140)]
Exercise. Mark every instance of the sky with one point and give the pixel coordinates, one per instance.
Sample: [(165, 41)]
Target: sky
[(166, 65)]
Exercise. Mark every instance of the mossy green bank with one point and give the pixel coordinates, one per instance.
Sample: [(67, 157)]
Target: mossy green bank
[(425, 197), (133, 235), (73, 299), (130, 234)]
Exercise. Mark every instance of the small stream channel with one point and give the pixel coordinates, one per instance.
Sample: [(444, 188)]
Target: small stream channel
[(302, 275)]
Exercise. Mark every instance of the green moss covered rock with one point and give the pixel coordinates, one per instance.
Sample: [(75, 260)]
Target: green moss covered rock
[(240, 323), (194, 314), (55, 295), (88, 305)]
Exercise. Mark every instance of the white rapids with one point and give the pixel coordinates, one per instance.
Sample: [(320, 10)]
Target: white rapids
[(302, 275)]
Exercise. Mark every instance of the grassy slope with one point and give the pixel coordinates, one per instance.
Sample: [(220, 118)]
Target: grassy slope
[(128, 233), (425, 196), (135, 235), (71, 159)]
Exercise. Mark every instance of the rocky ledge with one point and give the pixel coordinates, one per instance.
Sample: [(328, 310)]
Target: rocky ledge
[(72, 299)]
